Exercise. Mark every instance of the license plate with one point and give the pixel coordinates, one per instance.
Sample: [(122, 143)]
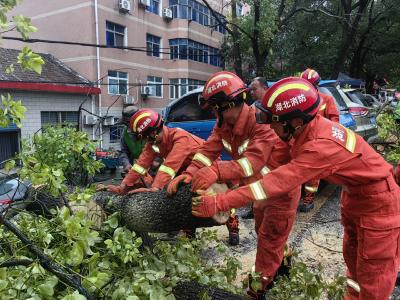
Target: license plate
[(373, 120)]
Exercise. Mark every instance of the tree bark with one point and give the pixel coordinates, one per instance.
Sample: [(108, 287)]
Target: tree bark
[(155, 211)]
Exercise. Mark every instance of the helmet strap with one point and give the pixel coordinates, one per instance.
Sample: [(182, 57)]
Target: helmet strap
[(220, 118), (287, 128)]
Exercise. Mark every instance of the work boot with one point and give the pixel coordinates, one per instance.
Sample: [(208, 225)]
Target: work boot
[(233, 228), (307, 204)]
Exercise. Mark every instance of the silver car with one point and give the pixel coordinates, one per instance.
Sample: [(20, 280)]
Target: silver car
[(366, 123)]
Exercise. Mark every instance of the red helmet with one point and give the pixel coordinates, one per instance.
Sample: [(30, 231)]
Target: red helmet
[(312, 76), (222, 89), (145, 121), (289, 98)]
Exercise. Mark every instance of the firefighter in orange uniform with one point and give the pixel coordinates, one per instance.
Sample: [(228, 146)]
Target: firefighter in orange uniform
[(370, 201), (250, 145), (328, 110), (174, 145)]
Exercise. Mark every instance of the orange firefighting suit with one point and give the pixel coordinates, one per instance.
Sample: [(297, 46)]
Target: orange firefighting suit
[(250, 146), (176, 148), (328, 110), (398, 173), (370, 202)]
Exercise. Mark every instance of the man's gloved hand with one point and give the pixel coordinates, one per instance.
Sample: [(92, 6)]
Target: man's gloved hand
[(173, 185), (118, 189), (206, 206), (143, 190), (204, 178)]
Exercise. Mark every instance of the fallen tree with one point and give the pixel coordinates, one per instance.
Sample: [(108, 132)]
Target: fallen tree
[(155, 211)]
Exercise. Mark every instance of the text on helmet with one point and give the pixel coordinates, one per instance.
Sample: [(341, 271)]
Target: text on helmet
[(290, 103), (143, 125), (216, 86)]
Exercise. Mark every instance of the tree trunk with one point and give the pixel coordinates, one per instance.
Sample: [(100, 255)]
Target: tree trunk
[(237, 56), (192, 290), (255, 40), (155, 211)]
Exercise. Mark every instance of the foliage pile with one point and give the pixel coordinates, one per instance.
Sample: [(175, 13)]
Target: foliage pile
[(303, 283), (110, 262), (389, 131)]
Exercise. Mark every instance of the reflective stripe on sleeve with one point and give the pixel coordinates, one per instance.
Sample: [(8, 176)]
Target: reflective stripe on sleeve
[(351, 140), (246, 166), (167, 170), (139, 169), (155, 149), (227, 146), (257, 190), (311, 189), (243, 147), (203, 159), (323, 106), (354, 285), (264, 171)]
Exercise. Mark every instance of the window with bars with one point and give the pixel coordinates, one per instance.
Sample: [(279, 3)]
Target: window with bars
[(156, 84), (116, 133), (154, 7), (189, 49), (181, 86), (117, 83), (115, 34), (59, 117), (153, 44)]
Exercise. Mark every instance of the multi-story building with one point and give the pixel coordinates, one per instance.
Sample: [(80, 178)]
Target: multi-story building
[(172, 47)]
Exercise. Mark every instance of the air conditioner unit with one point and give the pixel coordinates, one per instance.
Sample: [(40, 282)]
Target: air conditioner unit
[(144, 2), (167, 13), (148, 90), (109, 121), (129, 100), (89, 120), (125, 6)]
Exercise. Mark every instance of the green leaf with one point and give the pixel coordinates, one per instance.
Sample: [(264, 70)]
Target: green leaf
[(9, 165)]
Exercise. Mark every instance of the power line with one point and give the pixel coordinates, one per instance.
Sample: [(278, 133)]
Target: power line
[(131, 48)]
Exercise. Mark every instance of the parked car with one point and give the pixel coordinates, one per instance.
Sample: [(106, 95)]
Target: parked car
[(358, 97), (12, 190), (186, 113), (366, 122)]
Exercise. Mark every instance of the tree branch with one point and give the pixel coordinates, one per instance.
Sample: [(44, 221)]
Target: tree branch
[(16, 262), (45, 261)]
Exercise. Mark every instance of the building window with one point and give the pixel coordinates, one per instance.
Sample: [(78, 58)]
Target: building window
[(59, 117), (156, 84), (195, 11), (181, 86), (115, 35), (189, 49), (116, 133), (153, 44), (154, 7), (117, 83)]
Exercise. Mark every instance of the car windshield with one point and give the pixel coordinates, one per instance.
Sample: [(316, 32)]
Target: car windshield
[(188, 109), (332, 91), (358, 97)]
